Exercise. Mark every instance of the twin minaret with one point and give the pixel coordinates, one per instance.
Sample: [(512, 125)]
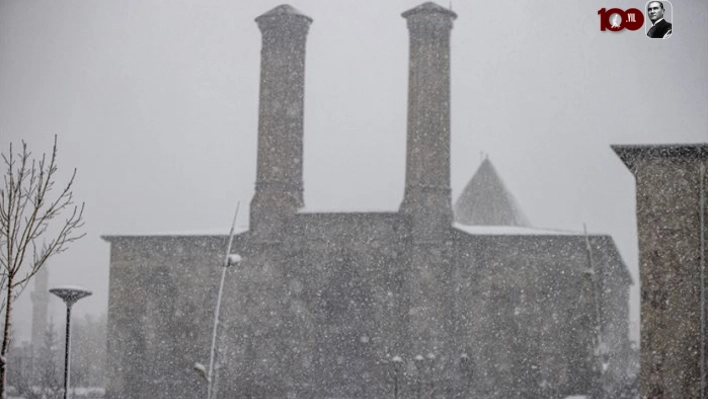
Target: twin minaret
[(279, 184), (426, 199)]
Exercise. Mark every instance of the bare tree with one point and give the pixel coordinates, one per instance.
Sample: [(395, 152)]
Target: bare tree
[(32, 228)]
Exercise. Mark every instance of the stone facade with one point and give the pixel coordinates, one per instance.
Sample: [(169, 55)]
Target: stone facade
[(323, 313), (671, 224), (160, 310), (366, 305)]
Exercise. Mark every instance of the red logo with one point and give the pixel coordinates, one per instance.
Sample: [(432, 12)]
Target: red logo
[(616, 19)]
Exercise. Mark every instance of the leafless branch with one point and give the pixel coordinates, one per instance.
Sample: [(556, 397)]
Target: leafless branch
[(30, 212)]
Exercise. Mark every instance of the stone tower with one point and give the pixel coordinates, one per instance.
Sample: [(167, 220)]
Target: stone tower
[(426, 206), (40, 307), (671, 194), (426, 200), (279, 186)]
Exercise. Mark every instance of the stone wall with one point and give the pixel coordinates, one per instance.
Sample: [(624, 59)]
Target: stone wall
[(161, 300), (530, 312), (671, 225), (324, 312)]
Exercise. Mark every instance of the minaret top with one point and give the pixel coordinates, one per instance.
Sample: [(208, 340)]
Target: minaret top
[(283, 11), (429, 8)]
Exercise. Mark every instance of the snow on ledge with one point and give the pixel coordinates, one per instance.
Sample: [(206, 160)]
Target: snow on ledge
[(307, 211), (181, 233), (70, 288), (511, 230)]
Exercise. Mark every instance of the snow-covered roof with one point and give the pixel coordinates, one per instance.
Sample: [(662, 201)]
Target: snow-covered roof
[(429, 7), (486, 201), (181, 233), (309, 211), (71, 288), (283, 10), (511, 230), (629, 154)]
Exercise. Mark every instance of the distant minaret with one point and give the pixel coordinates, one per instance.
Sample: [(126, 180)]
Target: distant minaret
[(40, 307)]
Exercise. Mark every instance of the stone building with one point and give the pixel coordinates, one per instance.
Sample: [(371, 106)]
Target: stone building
[(368, 305), (671, 191)]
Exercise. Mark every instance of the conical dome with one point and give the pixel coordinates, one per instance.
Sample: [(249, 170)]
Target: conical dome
[(486, 201)]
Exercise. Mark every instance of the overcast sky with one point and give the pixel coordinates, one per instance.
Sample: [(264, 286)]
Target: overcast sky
[(155, 103)]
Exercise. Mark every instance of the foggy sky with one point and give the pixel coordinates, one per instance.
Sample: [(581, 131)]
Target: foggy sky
[(155, 103)]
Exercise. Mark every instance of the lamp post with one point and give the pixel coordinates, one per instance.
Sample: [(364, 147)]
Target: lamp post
[(70, 295), (418, 361), (466, 372), (431, 373), (397, 366), (229, 260)]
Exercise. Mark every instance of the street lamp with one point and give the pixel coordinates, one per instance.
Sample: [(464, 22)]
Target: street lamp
[(418, 361), (229, 260), (397, 366), (70, 295), (466, 371), (431, 372)]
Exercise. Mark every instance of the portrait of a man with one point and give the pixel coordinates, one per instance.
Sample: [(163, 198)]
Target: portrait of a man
[(661, 28)]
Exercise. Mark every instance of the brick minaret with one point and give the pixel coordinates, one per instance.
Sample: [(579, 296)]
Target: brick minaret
[(426, 203), (426, 198), (279, 187), (671, 226)]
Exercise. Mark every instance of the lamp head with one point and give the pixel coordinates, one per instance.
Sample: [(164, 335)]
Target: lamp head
[(233, 260), (70, 294)]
